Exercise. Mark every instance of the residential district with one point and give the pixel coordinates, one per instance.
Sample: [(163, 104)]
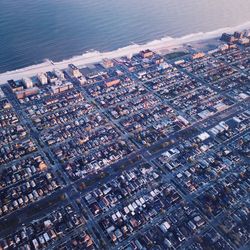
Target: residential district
[(147, 152)]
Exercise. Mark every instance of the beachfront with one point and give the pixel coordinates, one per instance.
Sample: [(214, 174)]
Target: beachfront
[(162, 46)]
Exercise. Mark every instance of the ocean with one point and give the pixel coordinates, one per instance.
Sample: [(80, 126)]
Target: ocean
[(34, 30)]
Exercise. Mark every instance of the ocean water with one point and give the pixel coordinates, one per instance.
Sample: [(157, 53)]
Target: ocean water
[(34, 30)]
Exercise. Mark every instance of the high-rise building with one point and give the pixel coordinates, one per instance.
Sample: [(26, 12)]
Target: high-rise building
[(27, 82), (42, 78)]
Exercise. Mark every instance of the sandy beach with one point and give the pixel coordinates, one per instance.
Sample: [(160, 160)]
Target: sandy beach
[(200, 41)]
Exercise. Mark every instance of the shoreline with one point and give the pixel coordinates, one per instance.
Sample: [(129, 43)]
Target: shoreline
[(163, 46)]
